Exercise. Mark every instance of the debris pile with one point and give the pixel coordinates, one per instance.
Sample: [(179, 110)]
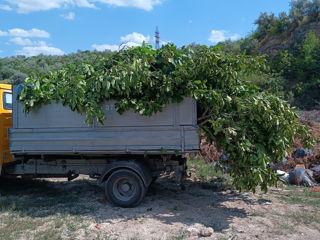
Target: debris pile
[(209, 150), (308, 158), (300, 167), (303, 165)]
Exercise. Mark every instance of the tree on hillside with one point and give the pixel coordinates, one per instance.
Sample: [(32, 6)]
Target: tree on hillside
[(282, 24), (308, 61), (313, 9), (230, 46), (265, 23), (301, 11), (301, 69), (250, 46), (298, 10)]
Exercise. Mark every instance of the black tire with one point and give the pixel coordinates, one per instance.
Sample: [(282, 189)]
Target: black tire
[(124, 188)]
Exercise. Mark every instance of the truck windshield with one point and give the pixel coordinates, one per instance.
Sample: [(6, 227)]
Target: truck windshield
[(7, 101)]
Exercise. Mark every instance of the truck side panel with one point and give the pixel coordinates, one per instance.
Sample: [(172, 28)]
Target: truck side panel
[(55, 129)]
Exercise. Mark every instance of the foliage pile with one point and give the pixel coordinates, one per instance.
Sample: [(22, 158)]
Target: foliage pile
[(253, 127)]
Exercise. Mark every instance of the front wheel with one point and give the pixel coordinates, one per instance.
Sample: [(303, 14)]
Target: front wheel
[(124, 188)]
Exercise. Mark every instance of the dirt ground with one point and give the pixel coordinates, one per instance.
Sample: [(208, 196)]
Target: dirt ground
[(207, 208), (55, 209)]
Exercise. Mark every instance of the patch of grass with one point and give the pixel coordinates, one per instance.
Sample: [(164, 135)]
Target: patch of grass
[(298, 218), (47, 234), (208, 176), (203, 170), (134, 238), (176, 208), (232, 237), (258, 214), (14, 226), (303, 217), (282, 227), (58, 223), (37, 209), (182, 235), (296, 195)]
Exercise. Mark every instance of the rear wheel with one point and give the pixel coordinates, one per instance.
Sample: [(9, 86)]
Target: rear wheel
[(124, 188)]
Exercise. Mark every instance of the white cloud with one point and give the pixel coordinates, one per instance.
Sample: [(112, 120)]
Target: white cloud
[(84, 3), (134, 39), (21, 41), (41, 48), (3, 34), (19, 32), (142, 4), (217, 36), (235, 37), (27, 6), (131, 40), (5, 7), (104, 47), (32, 33), (69, 16)]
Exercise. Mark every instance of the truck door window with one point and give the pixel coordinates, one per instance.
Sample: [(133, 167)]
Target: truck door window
[(7, 101)]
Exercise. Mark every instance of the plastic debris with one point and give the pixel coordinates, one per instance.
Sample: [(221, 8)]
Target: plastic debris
[(284, 160), (221, 166), (224, 157), (316, 173), (316, 168), (284, 177), (301, 152), (301, 176)]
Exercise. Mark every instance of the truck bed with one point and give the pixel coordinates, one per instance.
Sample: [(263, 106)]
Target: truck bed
[(54, 129)]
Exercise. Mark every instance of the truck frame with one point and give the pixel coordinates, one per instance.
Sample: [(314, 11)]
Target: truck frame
[(125, 153)]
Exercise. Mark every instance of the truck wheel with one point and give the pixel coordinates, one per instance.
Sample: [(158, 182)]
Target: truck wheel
[(124, 188)]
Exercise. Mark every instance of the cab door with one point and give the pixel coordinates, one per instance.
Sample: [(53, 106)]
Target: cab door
[(5, 123)]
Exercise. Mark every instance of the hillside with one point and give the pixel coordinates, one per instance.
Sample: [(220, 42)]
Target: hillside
[(291, 44), (272, 44)]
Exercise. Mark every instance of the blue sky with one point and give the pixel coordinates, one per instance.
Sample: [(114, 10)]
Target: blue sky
[(56, 27)]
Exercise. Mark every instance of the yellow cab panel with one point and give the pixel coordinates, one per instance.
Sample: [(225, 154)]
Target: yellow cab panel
[(5, 123)]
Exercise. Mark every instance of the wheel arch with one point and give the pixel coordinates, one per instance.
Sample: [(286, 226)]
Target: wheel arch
[(139, 168)]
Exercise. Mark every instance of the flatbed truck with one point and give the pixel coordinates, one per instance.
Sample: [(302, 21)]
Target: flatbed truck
[(125, 153)]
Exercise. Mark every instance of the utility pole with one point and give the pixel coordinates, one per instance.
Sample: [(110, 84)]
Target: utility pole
[(157, 38)]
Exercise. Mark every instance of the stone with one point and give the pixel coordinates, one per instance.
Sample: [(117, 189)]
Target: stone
[(206, 232)]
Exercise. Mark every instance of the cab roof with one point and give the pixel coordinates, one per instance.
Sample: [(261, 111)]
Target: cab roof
[(5, 86)]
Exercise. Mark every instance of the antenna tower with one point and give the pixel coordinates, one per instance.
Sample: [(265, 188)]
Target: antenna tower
[(157, 38)]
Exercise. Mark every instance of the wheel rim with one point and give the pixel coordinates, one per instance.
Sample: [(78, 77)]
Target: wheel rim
[(124, 189)]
